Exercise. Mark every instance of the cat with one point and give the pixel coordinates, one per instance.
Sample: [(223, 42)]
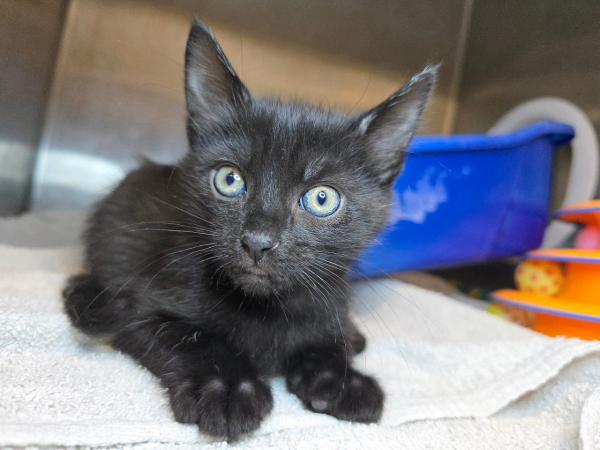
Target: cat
[(230, 267)]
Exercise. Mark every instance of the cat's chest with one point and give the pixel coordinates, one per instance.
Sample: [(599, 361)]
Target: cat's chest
[(269, 343)]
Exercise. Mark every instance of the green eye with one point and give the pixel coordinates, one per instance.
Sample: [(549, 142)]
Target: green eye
[(320, 201), (229, 182)]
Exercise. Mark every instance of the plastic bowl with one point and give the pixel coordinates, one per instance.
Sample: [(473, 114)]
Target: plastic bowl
[(467, 199)]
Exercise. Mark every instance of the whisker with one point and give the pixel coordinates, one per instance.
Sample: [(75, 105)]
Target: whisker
[(195, 216), (195, 252)]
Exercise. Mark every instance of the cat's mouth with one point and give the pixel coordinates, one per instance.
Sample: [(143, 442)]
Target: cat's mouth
[(256, 271), (254, 280)]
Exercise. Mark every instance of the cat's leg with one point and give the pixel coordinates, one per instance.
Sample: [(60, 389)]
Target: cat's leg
[(324, 381), (91, 308), (208, 383)]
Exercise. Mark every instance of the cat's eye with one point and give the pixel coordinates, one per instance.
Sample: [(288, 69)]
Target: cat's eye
[(228, 182), (320, 201)]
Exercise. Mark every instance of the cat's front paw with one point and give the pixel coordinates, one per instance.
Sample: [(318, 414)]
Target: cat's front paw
[(222, 408), (345, 394)]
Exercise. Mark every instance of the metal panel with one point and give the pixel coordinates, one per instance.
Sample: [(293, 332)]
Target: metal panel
[(518, 50), (118, 94), (29, 35), (116, 97), (346, 53)]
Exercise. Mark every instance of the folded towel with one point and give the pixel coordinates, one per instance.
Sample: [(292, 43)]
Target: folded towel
[(454, 377), (590, 423)]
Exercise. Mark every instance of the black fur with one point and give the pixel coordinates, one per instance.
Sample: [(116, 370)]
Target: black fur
[(169, 281)]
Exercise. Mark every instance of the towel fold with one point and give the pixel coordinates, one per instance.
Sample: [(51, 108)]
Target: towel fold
[(454, 377)]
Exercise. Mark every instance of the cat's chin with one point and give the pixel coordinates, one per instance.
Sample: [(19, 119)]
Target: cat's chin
[(255, 283)]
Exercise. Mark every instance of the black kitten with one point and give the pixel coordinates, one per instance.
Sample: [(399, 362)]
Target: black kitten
[(230, 267)]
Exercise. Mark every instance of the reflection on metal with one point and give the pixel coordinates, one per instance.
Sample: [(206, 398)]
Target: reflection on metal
[(116, 98), (78, 177)]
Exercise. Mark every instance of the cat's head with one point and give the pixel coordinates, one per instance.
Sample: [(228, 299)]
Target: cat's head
[(289, 194)]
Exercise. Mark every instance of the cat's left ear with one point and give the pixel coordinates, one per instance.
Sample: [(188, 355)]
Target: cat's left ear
[(388, 128), (212, 88)]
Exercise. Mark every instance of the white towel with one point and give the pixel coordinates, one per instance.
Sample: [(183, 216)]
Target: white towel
[(454, 377)]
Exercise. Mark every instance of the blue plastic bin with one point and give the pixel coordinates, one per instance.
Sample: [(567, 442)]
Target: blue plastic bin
[(466, 199)]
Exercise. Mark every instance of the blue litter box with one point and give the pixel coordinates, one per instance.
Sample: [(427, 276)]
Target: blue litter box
[(467, 199)]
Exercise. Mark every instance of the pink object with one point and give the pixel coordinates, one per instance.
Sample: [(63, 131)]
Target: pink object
[(588, 238)]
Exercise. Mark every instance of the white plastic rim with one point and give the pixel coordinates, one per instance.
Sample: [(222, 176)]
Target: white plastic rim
[(583, 176)]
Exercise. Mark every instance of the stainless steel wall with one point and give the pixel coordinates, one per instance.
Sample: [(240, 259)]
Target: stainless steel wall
[(518, 50), (29, 35), (117, 93), (88, 87)]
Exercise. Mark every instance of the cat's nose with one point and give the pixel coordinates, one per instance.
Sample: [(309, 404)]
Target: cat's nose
[(257, 245)]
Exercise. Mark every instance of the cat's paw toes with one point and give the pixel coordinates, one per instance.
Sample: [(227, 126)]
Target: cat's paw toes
[(249, 403), (361, 400), (221, 408), (348, 396)]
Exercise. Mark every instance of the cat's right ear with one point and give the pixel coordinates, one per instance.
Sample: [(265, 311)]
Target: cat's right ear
[(388, 128), (212, 88)]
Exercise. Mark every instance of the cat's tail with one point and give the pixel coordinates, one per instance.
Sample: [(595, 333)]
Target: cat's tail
[(91, 308)]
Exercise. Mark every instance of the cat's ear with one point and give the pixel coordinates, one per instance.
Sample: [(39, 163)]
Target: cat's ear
[(212, 88), (388, 128)]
